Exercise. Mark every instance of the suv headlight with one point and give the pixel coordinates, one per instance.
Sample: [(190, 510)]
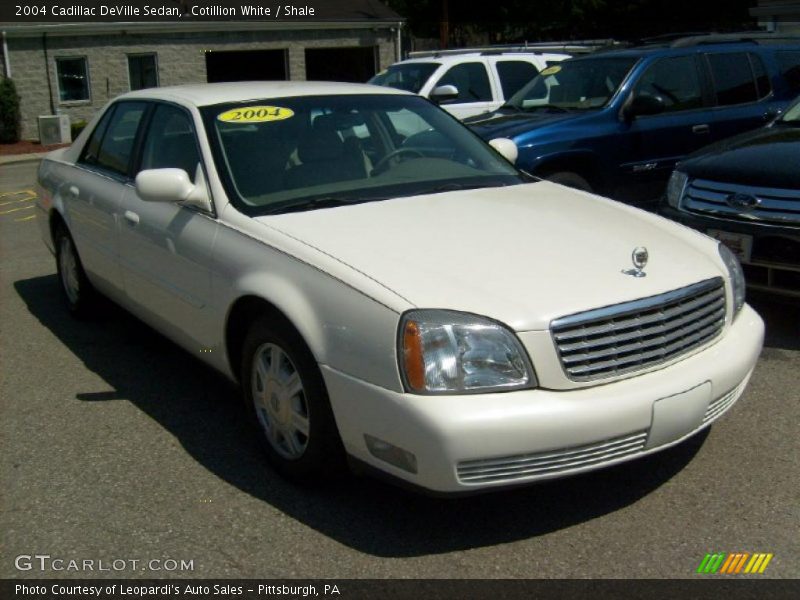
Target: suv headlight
[(447, 352), (736, 276), (675, 187)]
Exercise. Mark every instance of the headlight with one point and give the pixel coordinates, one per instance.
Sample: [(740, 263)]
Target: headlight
[(446, 352), (736, 276), (675, 187)]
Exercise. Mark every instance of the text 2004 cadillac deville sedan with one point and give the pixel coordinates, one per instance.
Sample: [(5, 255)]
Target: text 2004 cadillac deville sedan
[(410, 301)]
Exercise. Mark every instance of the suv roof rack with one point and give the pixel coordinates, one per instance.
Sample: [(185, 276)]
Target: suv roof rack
[(566, 47), (754, 37)]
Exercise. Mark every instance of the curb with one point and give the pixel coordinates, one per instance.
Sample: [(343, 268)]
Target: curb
[(21, 158)]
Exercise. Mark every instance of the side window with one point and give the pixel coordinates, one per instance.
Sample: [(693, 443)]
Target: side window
[(514, 74), (676, 80), (471, 80), (170, 141), (92, 148), (763, 86), (733, 79), (117, 140), (789, 64)]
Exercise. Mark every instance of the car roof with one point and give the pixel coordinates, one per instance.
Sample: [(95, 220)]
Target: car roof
[(207, 94), (447, 59)]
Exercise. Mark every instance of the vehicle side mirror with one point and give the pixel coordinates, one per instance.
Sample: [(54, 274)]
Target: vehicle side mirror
[(506, 147), (645, 105), (172, 185), (443, 93)]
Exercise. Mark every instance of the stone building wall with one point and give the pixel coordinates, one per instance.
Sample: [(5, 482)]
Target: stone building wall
[(180, 58)]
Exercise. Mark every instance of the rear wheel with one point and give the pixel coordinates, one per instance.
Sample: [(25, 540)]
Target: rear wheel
[(76, 289), (569, 179), (288, 404)]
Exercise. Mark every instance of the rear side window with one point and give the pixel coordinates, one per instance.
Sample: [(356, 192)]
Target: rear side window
[(514, 74), (676, 80), (733, 78), (471, 80), (92, 148), (789, 65), (116, 146)]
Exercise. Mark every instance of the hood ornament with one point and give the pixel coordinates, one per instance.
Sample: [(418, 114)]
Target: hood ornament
[(639, 257)]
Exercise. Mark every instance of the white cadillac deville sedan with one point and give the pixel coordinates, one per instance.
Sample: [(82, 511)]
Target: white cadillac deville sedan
[(412, 303)]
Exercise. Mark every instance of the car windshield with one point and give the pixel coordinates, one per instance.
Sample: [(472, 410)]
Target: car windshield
[(574, 84), (288, 154), (405, 76)]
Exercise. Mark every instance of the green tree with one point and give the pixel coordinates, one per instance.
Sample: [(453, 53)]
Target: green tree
[(9, 112)]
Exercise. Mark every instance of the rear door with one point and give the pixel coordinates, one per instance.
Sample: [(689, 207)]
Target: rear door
[(93, 196), (742, 93)]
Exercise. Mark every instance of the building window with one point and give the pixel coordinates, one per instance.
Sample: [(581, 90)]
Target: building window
[(142, 71), (73, 79)]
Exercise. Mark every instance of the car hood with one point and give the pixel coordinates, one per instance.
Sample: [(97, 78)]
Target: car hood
[(523, 255), (768, 157), (509, 124)]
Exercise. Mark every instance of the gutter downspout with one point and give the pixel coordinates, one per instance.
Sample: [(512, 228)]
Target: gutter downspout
[(47, 71), (399, 43), (6, 59)]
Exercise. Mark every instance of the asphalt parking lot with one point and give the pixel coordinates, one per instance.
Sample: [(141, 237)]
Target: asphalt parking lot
[(117, 445)]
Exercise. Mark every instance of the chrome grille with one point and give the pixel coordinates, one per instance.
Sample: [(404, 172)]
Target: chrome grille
[(507, 468), (774, 205), (623, 338)]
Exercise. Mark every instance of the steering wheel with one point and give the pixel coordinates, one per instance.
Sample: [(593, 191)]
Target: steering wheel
[(381, 165)]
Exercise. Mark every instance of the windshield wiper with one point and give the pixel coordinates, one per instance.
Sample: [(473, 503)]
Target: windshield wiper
[(454, 187), (316, 203), (547, 106)]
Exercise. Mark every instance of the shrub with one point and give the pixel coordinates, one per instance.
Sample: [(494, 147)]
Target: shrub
[(10, 129), (76, 128)]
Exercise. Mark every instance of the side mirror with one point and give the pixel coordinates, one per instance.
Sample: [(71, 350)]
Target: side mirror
[(506, 147), (443, 93), (645, 105), (173, 185)]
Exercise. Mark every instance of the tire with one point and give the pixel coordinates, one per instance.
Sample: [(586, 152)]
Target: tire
[(569, 179), (288, 404), (76, 290)]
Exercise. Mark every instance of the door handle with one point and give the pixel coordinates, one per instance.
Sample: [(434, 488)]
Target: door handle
[(704, 128), (74, 191), (132, 217)]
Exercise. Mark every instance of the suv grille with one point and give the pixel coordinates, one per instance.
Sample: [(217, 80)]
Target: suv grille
[(628, 337), (772, 205)]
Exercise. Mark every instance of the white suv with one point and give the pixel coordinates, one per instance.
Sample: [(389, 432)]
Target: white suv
[(483, 81)]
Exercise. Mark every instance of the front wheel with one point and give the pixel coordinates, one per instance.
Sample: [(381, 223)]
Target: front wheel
[(76, 289), (570, 179), (288, 404)]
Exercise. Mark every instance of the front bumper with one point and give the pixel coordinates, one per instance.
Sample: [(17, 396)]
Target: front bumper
[(774, 265), (473, 442)]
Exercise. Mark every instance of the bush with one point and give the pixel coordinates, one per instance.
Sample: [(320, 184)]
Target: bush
[(10, 129), (76, 128)]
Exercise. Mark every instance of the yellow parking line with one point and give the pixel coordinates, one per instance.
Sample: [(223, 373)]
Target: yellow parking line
[(17, 201), (25, 219), (16, 192), (5, 212)]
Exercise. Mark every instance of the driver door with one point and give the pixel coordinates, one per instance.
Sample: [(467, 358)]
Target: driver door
[(166, 248)]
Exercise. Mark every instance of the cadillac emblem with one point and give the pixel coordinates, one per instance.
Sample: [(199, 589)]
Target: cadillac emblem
[(639, 257)]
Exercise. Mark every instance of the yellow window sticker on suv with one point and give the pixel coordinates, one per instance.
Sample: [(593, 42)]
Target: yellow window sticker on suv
[(255, 114), (550, 70)]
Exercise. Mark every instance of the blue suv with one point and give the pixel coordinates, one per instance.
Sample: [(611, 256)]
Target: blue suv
[(617, 122)]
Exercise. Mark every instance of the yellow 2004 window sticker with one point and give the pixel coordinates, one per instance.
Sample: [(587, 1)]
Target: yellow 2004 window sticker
[(255, 114), (551, 70)]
